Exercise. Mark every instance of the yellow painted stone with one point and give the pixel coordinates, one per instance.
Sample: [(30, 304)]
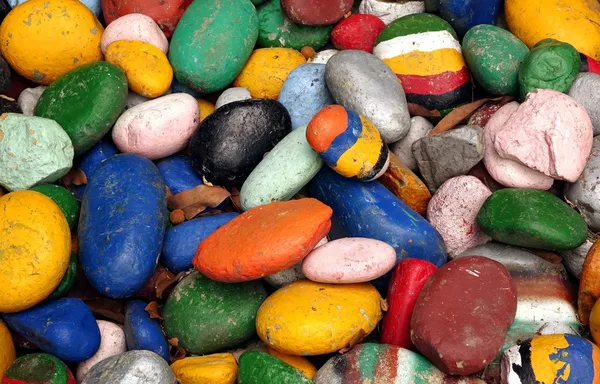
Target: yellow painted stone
[(576, 22), (43, 39), (34, 251), (219, 368), (300, 363), (206, 108), (307, 318), (7, 349), (146, 67), (266, 71)]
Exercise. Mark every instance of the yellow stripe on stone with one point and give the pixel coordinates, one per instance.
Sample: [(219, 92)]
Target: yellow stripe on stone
[(427, 63), (544, 367), (360, 159)]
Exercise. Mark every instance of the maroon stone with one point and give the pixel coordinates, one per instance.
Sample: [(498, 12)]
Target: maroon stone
[(484, 113), (316, 12), (462, 314)]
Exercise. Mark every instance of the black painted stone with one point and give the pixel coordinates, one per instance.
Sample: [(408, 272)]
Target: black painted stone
[(4, 68), (9, 105)]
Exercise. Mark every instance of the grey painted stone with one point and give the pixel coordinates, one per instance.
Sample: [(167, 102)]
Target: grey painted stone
[(133, 367), (288, 276), (282, 172), (586, 90), (28, 99), (232, 94), (33, 150), (365, 84), (573, 259), (419, 127), (449, 154)]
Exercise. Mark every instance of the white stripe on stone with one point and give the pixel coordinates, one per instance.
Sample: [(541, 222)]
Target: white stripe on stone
[(390, 11), (423, 42)]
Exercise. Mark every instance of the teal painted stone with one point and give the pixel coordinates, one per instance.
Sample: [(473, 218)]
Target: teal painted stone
[(212, 42), (276, 30), (257, 367), (33, 150), (283, 172), (531, 218), (86, 102), (494, 55)]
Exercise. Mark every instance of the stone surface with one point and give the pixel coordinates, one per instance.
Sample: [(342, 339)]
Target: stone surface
[(316, 12), (89, 161), (218, 368), (65, 200), (585, 91), (357, 32), (589, 284), (178, 174), (322, 57), (291, 274), (257, 367), (390, 11), (463, 15), (419, 127), (39, 368), (9, 105), (573, 259), (68, 280), (232, 94), (112, 342), (28, 99), (5, 75), (135, 26), (133, 367), (143, 332)]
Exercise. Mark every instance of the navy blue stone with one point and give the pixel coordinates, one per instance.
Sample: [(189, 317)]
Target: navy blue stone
[(142, 332), (465, 14), (89, 161)]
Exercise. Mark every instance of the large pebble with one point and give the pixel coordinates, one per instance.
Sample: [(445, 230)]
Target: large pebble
[(357, 32), (65, 200), (463, 313), (382, 102), (419, 127), (143, 332), (28, 99), (390, 11), (135, 26), (157, 128), (218, 368), (232, 94), (464, 15), (316, 12), (38, 368), (550, 133), (584, 91), (89, 161), (125, 206), (112, 342), (257, 367), (7, 349), (133, 367)]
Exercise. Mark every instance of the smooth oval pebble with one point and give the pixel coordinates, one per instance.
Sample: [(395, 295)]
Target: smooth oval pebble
[(349, 260), (112, 342), (257, 367), (218, 368), (316, 12), (143, 332), (232, 94), (65, 200), (157, 128), (296, 319), (390, 11), (357, 32), (7, 349), (28, 99), (125, 203), (133, 367), (89, 161), (134, 26), (65, 328), (584, 92), (178, 174), (38, 368), (419, 127), (464, 14)]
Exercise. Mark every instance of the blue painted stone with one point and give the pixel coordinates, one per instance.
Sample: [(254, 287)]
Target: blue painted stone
[(370, 210), (94, 5), (178, 173), (65, 328), (305, 93), (143, 332), (465, 14), (89, 161), (122, 224), (181, 241)]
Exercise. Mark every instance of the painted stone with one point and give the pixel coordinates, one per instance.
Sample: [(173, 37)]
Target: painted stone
[(595, 322), (33, 150), (65, 200), (419, 127), (7, 349), (89, 161), (551, 359), (536, 73), (424, 52), (357, 32), (133, 367), (68, 280), (112, 342), (463, 15), (573, 259), (452, 153), (135, 26), (382, 102), (38, 368), (390, 11), (483, 114), (42, 46), (35, 247), (322, 57), (166, 13), (65, 328), (219, 368), (231, 142), (93, 5), (588, 64), (86, 102), (124, 204), (288, 167), (206, 108), (28, 99), (231, 26), (304, 93), (178, 174), (277, 30), (300, 363), (348, 142), (232, 94), (494, 56), (463, 334), (207, 316), (584, 91), (257, 367), (9, 105), (589, 284), (157, 128), (291, 274), (296, 319), (143, 332), (531, 218), (316, 12)]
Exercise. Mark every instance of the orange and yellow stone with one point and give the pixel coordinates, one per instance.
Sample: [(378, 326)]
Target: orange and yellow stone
[(34, 251), (595, 322), (219, 368), (44, 39), (206, 108), (300, 363), (7, 349), (589, 284)]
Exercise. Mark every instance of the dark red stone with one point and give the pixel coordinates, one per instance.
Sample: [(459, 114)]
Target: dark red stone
[(484, 113), (316, 12), (357, 32)]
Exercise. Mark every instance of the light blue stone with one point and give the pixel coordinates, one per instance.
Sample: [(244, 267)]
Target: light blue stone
[(94, 5)]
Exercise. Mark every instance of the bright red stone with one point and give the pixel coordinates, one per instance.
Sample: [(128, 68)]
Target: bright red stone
[(357, 32)]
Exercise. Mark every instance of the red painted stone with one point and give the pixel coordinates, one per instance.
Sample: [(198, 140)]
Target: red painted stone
[(484, 113), (407, 281), (316, 12), (463, 313), (357, 32)]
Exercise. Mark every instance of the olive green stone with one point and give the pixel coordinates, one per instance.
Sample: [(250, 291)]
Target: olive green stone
[(86, 102), (208, 316), (276, 30), (65, 200), (68, 279), (257, 367), (494, 56), (212, 42), (550, 64), (38, 368), (531, 218)]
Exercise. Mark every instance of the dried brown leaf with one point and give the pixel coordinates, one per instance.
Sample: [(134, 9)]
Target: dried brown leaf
[(418, 110), (165, 280), (197, 199), (74, 177), (152, 309), (176, 352)]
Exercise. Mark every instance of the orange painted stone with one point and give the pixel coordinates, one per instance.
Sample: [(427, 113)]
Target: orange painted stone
[(263, 240), (589, 284)]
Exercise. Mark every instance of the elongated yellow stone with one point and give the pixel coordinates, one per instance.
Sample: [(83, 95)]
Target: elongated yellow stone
[(219, 368)]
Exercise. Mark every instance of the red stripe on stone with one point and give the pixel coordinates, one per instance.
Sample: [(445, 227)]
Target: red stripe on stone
[(434, 84), (387, 366)]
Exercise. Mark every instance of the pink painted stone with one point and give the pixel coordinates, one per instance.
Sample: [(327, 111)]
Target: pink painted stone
[(349, 260), (135, 26), (112, 343), (453, 212), (550, 133), (508, 172), (157, 128)]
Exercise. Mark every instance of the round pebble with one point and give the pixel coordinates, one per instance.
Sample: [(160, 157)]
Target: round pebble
[(112, 342), (7, 349), (38, 368), (390, 11), (419, 127), (133, 367), (357, 32), (219, 368), (134, 26), (65, 200), (322, 57), (316, 12), (28, 99), (143, 332), (232, 94)]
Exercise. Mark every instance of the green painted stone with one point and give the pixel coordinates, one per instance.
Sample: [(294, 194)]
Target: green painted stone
[(276, 30), (67, 281), (550, 64), (207, 316), (86, 102), (494, 56), (531, 218), (39, 368), (258, 2), (212, 42), (257, 367), (65, 200)]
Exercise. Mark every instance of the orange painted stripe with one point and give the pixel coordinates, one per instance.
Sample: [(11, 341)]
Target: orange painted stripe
[(325, 126)]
